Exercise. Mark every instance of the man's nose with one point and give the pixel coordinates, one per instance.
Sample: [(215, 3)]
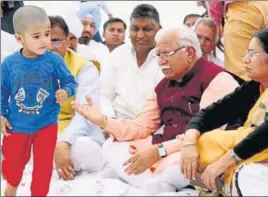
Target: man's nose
[(202, 41), (162, 61), (140, 34), (87, 28)]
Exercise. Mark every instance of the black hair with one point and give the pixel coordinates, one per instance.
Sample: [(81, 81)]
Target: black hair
[(189, 16), (145, 11), (114, 20), (262, 35), (58, 21)]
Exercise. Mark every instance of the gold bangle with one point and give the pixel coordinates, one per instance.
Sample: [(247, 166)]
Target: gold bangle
[(234, 156), (188, 143)]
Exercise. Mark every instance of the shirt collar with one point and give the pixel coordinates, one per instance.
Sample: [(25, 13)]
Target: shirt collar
[(150, 54)]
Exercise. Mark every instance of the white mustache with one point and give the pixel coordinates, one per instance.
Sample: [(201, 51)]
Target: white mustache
[(165, 67)]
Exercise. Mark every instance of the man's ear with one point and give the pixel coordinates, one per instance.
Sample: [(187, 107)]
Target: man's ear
[(191, 54), (19, 38), (103, 33)]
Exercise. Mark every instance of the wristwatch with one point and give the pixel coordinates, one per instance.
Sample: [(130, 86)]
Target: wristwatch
[(161, 150)]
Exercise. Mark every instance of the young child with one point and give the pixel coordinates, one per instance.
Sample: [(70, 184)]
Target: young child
[(34, 81)]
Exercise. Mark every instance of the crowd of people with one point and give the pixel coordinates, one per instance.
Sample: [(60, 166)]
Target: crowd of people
[(174, 108)]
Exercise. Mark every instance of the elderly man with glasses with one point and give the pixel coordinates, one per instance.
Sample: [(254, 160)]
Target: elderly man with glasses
[(191, 83)]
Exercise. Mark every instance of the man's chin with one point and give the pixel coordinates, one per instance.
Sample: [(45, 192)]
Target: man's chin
[(84, 40)]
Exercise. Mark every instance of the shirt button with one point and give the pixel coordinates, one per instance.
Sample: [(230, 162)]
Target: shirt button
[(175, 125), (171, 101), (179, 113)]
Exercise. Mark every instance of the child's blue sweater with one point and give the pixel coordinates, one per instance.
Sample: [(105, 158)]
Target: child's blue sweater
[(28, 90)]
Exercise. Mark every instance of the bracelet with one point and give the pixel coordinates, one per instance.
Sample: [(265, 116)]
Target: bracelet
[(188, 143), (235, 158), (105, 123)]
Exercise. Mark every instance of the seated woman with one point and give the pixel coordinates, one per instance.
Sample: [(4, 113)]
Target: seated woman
[(79, 144), (145, 153), (242, 154)]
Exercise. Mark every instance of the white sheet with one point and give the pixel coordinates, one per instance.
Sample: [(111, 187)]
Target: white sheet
[(84, 184)]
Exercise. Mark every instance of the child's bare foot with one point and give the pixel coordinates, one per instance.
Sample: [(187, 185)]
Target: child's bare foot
[(10, 190)]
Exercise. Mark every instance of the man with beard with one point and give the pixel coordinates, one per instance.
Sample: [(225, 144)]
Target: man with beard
[(208, 34), (90, 16), (75, 31)]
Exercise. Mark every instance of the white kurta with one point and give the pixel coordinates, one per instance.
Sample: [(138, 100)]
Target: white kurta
[(124, 85), (94, 51)]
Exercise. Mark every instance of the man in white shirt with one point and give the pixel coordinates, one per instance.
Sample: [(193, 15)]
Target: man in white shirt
[(102, 5), (79, 146), (132, 72), (90, 16), (114, 33), (208, 35)]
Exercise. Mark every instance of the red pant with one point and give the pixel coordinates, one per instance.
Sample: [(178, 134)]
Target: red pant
[(17, 152)]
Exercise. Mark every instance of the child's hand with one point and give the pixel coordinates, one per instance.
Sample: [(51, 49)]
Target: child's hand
[(61, 95), (4, 125)]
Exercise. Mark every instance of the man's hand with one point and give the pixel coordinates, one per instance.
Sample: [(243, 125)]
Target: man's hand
[(91, 112), (4, 125), (61, 95), (142, 160), (64, 163)]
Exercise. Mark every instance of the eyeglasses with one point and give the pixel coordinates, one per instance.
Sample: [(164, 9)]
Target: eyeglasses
[(57, 41), (166, 55), (250, 53)]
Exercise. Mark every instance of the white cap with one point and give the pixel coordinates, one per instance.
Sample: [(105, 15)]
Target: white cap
[(74, 24)]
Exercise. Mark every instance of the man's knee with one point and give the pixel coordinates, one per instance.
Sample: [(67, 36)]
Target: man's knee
[(253, 179), (111, 148), (87, 155)]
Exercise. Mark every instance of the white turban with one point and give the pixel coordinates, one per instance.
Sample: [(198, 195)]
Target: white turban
[(74, 24)]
